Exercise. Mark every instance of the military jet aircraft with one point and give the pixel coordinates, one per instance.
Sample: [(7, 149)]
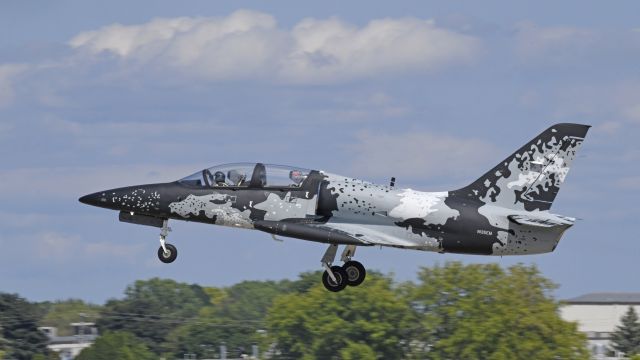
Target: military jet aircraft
[(504, 212)]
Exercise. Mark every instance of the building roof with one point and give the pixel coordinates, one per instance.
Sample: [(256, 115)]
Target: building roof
[(604, 298), (73, 339)]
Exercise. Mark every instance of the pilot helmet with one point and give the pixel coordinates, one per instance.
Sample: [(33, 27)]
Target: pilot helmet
[(296, 176), (219, 177)]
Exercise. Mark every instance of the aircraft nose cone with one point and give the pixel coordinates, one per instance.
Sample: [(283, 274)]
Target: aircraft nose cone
[(91, 199)]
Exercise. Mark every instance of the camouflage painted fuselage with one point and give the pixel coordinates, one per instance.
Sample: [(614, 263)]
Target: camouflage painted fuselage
[(504, 212)]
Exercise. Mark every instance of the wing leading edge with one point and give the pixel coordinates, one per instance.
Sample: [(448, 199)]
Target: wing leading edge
[(309, 231)]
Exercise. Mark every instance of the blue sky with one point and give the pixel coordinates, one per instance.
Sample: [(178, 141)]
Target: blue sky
[(97, 95)]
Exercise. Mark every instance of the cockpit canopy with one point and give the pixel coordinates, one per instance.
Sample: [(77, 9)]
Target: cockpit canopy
[(255, 175)]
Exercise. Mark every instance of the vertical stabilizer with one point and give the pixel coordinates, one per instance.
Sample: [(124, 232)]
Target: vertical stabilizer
[(531, 177)]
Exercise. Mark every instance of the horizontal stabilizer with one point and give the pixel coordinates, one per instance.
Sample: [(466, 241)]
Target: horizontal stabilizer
[(542, 221)]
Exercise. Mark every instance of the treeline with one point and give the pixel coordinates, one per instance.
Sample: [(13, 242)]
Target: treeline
[(453, 311)]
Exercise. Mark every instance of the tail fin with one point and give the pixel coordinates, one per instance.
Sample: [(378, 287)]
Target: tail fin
[(531, 177)]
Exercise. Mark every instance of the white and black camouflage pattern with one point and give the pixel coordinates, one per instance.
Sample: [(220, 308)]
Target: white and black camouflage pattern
[(504, 212)]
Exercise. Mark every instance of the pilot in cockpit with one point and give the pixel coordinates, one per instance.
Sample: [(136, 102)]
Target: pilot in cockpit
[(236, 177), (297, 177), (219, 178)]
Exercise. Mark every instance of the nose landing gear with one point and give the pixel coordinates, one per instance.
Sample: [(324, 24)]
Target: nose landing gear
[(167, 253), (336, 278)]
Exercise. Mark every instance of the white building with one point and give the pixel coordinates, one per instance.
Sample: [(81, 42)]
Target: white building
[(598, 315), (68, 347)]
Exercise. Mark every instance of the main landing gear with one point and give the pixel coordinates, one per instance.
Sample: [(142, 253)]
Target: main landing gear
[(167, 253), (336, 278)]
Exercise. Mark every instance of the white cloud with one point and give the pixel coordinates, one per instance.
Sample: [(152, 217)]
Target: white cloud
[(609, 127), (554, 43), (250, 44), (56, 247), (73, 182), (359, 108), (8, 72), (611, 107), (121, 138), (632, 112), (112, 250), (331, 50), (23, 220), (420, 155), (629, 183), (6, 128), (130, 129)]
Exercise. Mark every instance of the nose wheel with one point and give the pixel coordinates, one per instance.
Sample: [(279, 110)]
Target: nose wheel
[(336, 278), (167, 253)]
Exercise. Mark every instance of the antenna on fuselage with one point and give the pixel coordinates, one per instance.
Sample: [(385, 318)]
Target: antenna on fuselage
[(393, 182)]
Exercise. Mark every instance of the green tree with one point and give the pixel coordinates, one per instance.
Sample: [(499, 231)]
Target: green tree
[(19, 326), (152, 309), (233, 317), (116, 346), (357, 351), (317, 324), (62, 313), (626, 337), (4, 343), (484, 312), (52, 355), (305, 281)]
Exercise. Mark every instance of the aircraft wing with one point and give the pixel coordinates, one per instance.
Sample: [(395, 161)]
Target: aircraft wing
[(371, 234), (308, 231), (335, 233)]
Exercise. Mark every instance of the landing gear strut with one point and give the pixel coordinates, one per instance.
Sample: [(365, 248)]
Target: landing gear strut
[(336, 278), (167, 253)]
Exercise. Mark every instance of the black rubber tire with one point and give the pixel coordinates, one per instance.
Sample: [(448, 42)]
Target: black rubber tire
[(170, 257), (355, 272), (340, 275)]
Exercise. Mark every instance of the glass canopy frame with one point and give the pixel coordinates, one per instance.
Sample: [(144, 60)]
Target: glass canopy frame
[(247, 175)]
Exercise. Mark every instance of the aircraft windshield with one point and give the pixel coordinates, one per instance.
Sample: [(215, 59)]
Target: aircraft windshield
[(247, 174)]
